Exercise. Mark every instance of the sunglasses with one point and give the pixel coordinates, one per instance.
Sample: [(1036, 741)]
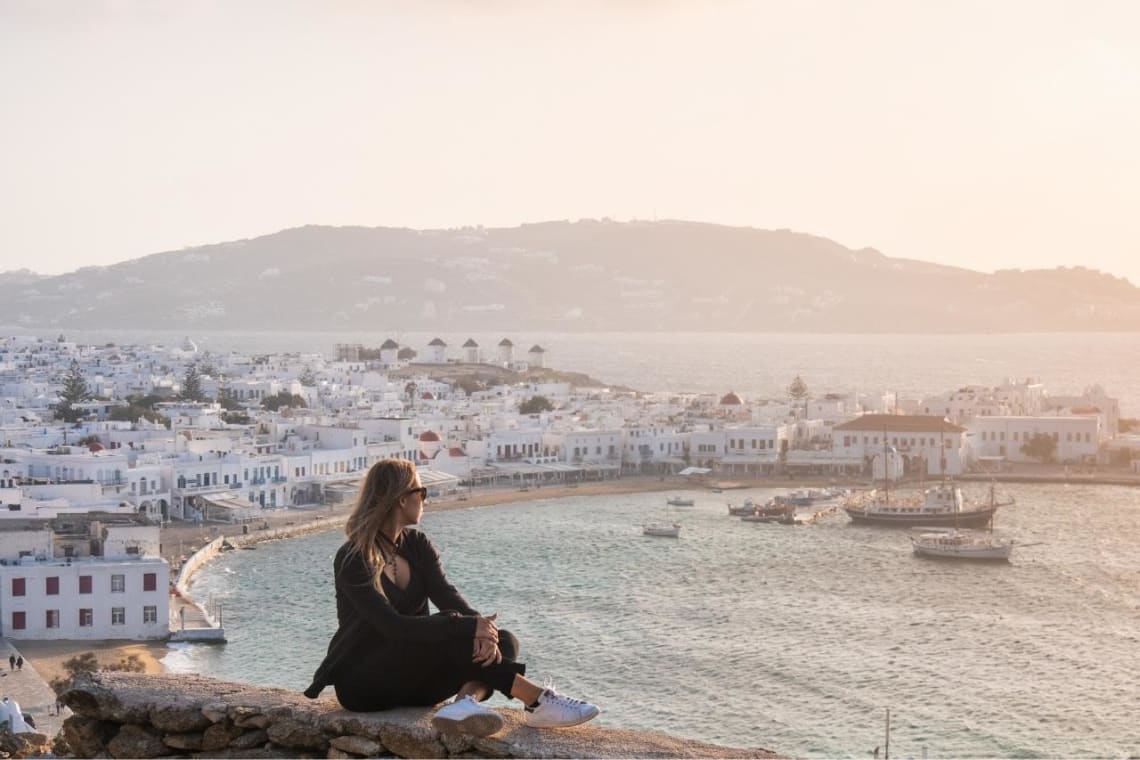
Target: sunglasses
[(421, 491)]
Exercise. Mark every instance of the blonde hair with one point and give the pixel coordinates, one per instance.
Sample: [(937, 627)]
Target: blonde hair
[(379, 497)]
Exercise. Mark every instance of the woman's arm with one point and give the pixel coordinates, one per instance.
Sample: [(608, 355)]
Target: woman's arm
[(354, 582)]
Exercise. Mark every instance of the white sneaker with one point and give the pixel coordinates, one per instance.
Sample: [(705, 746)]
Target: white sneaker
[(554, 710), (467, 716)]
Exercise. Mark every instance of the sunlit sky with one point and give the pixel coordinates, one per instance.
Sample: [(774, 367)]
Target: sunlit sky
[(979, 134)]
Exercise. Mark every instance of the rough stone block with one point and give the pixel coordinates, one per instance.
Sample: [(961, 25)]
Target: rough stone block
[(357, 745), (177, 717), (188, 741), (250, 739), (300, 731), (87, 737), (412, 741), (241, 715), (134, 741), (215, 712), (219, 735)]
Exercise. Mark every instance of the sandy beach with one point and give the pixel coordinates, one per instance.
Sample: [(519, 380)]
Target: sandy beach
[(48, 656)]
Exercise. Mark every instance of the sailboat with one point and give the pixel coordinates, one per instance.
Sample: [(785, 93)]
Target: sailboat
[(667, 528), (942, 505)]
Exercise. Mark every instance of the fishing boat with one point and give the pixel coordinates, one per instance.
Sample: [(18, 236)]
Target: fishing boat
[(776, 510), (747, 508), (678, 501), (955, 543)]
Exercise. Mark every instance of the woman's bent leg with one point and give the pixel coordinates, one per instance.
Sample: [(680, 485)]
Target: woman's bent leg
[(411, 673)]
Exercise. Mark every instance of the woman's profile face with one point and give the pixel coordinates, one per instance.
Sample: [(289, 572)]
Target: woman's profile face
[(412, 502)]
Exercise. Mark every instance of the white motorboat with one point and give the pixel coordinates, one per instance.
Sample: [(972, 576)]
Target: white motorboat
[(663, 529), (678, 501), (955, 543)]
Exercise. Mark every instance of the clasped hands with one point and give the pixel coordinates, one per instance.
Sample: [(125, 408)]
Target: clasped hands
[(486, 651)]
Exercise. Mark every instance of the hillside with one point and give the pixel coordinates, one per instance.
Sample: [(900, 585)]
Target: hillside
[(561, 276)]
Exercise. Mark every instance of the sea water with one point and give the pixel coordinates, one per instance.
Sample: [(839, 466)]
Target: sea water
[(761, 635)]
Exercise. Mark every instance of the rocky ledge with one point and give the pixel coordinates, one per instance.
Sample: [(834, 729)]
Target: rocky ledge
[(141, 716)]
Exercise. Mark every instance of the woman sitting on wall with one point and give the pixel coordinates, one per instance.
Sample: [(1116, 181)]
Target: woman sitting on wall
[(388, 650)]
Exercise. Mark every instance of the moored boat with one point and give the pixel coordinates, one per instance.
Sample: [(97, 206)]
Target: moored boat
[(776, 510), (940, 506), (809, 497), (961, 544), (678, 501), (747, 508), (662, 529)]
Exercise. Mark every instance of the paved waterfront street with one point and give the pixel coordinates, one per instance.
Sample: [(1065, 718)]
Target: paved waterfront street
[(31, 691)]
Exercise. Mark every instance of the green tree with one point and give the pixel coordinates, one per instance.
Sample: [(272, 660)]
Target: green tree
[(87, 662), (283, 399), (535, 404), (235, 418), (74, 391), (1041, 446), (192, 385), (470, 384), (207, 366), (139, 406), (228, 400), (307, 378)]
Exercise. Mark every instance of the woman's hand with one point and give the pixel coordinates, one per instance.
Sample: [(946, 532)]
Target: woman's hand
[(486, 629), (486, 650), (486, 653)]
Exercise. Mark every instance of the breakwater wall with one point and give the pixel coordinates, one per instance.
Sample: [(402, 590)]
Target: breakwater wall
[(134, 715), (211, 550)]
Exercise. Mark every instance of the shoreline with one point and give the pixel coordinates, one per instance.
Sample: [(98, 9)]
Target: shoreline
[(183, 540)]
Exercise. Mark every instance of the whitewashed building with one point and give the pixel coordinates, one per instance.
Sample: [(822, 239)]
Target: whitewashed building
[(1077, 438), (651, 447), (81, 577), (506, 352), (471, 353), (752, 449), (926, 443), (436, 352), (536, 357)]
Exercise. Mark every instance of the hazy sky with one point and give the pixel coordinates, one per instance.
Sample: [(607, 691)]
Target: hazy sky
[(981, 134)]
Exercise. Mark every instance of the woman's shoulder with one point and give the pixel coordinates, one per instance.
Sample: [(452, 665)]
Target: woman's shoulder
[(417, 542), (344, 554)]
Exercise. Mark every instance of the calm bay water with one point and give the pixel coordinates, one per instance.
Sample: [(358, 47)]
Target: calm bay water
[(758, 365), (795, 639)]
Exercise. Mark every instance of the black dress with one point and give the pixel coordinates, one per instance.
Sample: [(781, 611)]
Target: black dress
[(389, 650)]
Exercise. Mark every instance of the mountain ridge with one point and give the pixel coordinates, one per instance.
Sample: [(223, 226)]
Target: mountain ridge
[(588, 275)]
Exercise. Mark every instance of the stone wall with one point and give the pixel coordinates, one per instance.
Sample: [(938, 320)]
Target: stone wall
[(133, 715)]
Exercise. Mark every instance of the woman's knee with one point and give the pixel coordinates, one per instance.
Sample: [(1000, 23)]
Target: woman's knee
[(508, 646)]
